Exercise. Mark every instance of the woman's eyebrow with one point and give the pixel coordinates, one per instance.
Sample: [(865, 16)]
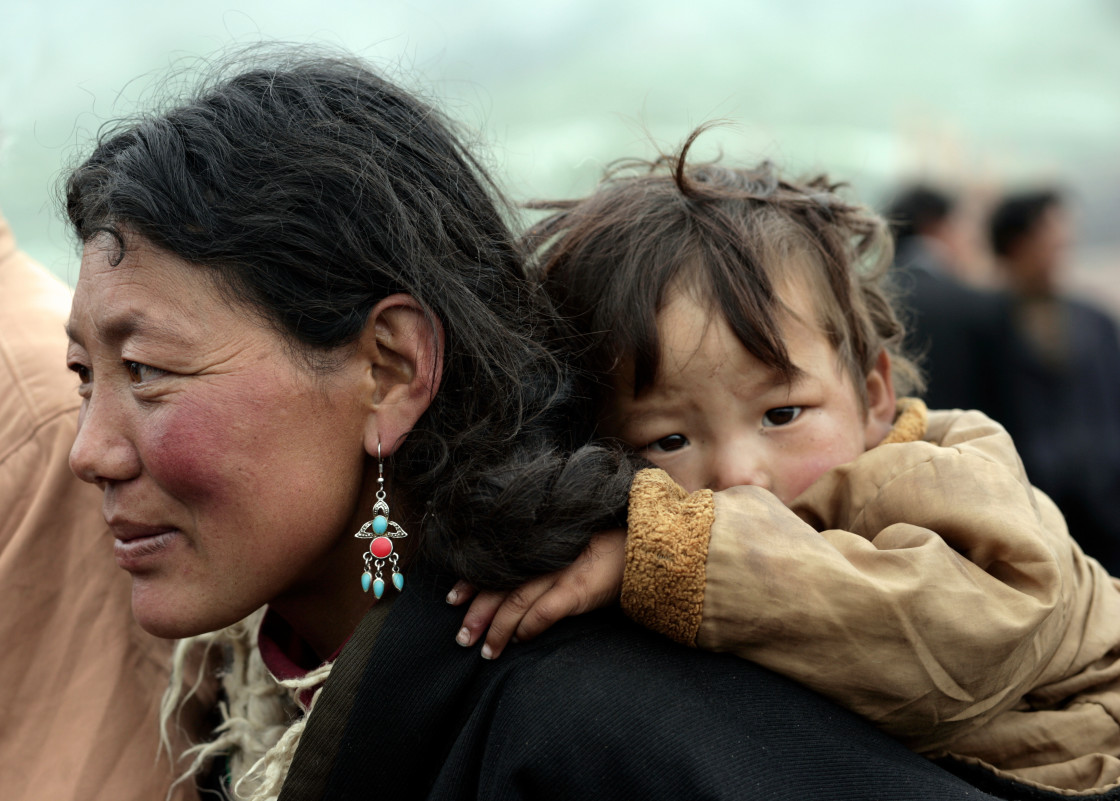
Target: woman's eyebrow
[(73, 335), (121, 327)]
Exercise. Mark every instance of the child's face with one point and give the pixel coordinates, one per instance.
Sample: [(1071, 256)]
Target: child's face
[(716, 417)]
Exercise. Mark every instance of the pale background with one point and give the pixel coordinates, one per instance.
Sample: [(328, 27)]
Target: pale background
[(980, 95)]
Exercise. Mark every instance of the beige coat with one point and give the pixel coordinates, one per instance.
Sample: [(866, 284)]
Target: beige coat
[(926, 586), (80, 683)]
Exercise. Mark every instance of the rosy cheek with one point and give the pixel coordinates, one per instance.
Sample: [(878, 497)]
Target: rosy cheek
[(187, 453), (808, 472)]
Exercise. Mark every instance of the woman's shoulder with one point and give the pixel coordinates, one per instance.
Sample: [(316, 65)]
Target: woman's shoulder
[(598, 705), (594, 706)]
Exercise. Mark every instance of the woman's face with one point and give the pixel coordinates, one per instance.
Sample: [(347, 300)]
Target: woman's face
[(232, 474)]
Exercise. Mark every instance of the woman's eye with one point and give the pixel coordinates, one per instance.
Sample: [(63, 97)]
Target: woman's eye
[(81, 370), (781, 416), (673, 442), (139, 373)]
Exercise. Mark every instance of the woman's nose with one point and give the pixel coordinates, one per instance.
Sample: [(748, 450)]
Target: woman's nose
[(738, 465), (102, 452)]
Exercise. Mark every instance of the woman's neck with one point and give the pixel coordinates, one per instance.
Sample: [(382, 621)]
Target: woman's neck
[(325, 610), (325, 621), (325, 607)]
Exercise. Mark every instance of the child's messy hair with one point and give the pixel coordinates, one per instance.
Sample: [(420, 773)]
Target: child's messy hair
[(731, 238)]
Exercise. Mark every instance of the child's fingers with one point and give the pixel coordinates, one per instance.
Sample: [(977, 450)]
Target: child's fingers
[(478, 616), (592, 581), (559, 602), (462, 592), (513, 609)]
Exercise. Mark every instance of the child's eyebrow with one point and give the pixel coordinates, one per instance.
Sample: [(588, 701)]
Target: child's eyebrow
[(774, 379), (797, 377), (638, 416)]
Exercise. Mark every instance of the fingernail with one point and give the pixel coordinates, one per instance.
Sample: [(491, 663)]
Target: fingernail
[(452, 596), (487, 651), (464, 636)]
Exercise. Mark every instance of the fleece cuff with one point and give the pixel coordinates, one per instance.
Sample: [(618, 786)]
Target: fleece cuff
[(666, 555)]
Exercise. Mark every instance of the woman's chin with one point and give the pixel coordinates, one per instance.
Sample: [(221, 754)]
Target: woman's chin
[(161, 626), (172, 617)]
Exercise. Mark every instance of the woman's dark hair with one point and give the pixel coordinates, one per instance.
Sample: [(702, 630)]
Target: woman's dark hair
[(312, 188), (732, 238)]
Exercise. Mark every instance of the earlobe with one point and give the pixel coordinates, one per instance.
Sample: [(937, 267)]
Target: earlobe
[(881, 401), (402, 344)]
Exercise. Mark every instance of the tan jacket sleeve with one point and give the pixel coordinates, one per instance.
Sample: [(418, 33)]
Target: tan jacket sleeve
[(917, 585)]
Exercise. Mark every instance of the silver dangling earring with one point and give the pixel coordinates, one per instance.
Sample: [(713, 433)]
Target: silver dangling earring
[(382, 531)]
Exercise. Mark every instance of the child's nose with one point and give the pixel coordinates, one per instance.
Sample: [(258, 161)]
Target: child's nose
[(738, 466)]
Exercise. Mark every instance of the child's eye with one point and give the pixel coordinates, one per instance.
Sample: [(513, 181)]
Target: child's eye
[(140, 373), (673, 442), (781, 416)]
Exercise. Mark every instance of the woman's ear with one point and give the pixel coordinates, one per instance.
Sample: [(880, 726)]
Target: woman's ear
[(402, 345), (881, 401)]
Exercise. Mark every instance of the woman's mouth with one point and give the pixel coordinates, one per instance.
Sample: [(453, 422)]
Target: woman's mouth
[(137, 547)]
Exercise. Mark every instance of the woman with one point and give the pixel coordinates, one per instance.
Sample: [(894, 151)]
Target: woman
[(309, 362)]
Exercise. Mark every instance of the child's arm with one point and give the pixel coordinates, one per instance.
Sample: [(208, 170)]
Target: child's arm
[(590, 582), (926, 589)]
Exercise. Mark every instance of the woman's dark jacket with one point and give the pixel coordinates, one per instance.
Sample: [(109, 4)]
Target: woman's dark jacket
[(596, 708)]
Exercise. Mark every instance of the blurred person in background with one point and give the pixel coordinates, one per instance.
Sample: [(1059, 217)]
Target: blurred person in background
[(960, 332), (930, 231), (80, 682), (1064, 372)]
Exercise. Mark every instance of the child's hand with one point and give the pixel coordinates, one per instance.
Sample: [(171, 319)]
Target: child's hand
[(593, 580)]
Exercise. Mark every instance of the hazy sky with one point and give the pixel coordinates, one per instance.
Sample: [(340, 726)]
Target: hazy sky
[(972, 92)]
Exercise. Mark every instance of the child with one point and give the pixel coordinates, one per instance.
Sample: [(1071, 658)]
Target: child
[(895, 560)]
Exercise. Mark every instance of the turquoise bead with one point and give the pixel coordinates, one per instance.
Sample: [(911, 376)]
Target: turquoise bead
[(380, 524), (378, 588), (367, 579), (398, 581)]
